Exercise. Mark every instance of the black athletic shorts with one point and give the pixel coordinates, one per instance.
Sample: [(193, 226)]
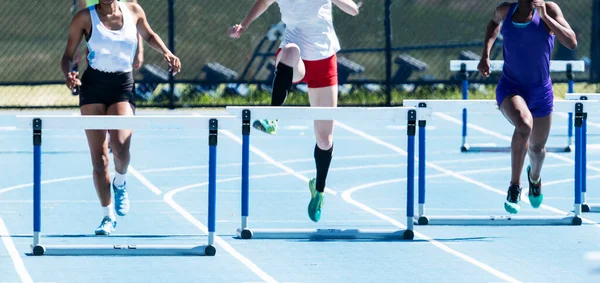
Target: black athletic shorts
[(106, 88)]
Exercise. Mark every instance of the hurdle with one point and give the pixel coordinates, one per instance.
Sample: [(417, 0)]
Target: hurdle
[(579, 107), (585, 207), (405, 115), (40, 123), (465, 66)]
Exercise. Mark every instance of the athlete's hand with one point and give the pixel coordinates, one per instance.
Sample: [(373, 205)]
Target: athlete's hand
[(540, 6), (236, 31), (174, 63), (72, 81), (138, 61), (484, 67)]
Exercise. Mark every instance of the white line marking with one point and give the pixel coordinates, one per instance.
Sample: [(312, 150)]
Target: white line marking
[(347, 196), (168, 198), (144, 181), (8, 129), (45, 182), (295, 127), (14, 253), (272, 161)]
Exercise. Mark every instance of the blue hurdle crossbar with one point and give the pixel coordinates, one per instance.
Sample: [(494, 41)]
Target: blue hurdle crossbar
[(465, 66), (407, 115), (64, 122), (585, 207), (488, 106)]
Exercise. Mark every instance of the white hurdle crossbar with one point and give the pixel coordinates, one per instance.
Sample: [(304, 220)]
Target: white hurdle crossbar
[(585, 207), (404, 115), (465, 66), (39, 123), (578, 107)]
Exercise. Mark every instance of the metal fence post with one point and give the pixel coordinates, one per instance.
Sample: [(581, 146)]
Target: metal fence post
[(172, 48), (595, 48), (388, 52)]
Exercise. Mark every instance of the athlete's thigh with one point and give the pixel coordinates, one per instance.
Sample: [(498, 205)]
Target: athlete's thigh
[(299, 68), (96, 138), (120, 136), (515, 110)]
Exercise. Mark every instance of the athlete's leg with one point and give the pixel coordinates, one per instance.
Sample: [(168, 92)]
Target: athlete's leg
[(537, 154), (289, 69), (99, 155), (120, 144), (517, 113)]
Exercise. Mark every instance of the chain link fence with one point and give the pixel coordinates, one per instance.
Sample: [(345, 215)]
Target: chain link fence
[(217, 70)]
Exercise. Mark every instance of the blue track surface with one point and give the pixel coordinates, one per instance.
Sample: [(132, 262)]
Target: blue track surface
[(169, 206)]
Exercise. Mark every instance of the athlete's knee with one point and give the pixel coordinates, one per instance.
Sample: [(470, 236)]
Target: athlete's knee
[(290, 54), (324, 140), (524, 123), (100, 162), (119, 149)]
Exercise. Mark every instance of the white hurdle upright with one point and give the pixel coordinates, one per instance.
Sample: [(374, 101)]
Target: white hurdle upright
[(40, 123), (579, 107), (585, 207), (405, 115), (465, 66)]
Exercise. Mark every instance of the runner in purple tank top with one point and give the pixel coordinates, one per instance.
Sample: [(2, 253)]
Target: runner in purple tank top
[(524, 92)]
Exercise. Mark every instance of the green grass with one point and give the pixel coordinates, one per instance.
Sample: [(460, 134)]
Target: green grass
[(58, 95)]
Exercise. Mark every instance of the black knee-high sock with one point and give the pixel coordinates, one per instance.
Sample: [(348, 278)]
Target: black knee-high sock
[(322, 161), (281, 84)]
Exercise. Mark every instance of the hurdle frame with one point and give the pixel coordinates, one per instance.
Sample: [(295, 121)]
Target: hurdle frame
[(103, 122), (585, 207), (410, 117), (465, 66), (507, 220)]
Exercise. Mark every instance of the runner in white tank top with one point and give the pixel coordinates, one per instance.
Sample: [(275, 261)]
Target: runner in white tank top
[(110, 29), (307, 54)]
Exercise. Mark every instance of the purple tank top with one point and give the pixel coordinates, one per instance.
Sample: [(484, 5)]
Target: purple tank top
[(527, 50)]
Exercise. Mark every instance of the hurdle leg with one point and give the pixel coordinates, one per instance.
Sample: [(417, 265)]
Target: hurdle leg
[(570, 115), (465, 96), (243, 232), (37, 248), (422, 219), (578, 166), (410, 178), (212, 185)]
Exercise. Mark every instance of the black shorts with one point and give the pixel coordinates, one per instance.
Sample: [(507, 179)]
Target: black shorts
[(106, 88)]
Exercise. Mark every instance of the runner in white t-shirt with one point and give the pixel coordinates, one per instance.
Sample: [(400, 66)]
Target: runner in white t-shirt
[(307, 54)]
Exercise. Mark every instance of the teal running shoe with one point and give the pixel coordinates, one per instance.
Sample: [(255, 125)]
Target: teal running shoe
[(121, 199), (266, 126), (535, 191), (316, 202), (106, 227), (511, 205)]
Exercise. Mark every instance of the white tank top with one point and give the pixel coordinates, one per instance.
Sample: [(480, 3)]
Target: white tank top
[(112, 50), (309, 24)]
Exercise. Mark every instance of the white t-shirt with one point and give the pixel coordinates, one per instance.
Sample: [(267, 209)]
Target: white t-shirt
[(309, 24)]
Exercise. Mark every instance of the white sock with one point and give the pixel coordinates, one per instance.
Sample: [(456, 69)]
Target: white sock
[(109, 211), (119, 179)]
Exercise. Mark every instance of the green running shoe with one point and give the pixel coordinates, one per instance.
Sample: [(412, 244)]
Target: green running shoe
[(535, 191), (316, 202), (511, 205), (266, 126)]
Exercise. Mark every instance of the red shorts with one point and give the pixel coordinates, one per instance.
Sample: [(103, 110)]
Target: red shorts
[(319, 73)]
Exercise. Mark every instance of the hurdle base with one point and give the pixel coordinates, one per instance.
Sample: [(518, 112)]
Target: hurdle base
[(467, 220), (475, 148), (124, 250), (586, 207), (326, 234)]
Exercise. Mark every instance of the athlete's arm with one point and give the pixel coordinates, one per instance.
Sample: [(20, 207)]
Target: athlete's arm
[(139, 52), (491, 33), (259, 7), (348, 6), (555, 21), (76, 32), (153, 39)]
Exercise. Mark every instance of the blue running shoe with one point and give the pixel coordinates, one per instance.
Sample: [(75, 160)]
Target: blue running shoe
[(513, 197), (316, 202), (106, 227), (535, 190), (121, 199)]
